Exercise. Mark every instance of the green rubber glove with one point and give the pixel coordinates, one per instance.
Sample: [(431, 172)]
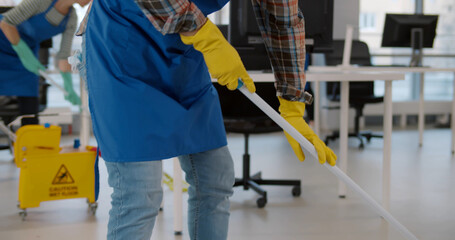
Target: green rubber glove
[(27, 57), (293, 113), (222, 59), (72, 96)]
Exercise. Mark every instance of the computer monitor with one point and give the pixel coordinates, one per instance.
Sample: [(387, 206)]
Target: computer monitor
[(416, 31), (245, 36), (318, 16)]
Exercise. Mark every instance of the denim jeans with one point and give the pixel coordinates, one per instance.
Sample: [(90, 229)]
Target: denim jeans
[(138, 194)]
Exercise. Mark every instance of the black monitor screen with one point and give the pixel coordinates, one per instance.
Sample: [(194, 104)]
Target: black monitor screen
[(243, 29), (318, 16), (398, 28), (245, 36)]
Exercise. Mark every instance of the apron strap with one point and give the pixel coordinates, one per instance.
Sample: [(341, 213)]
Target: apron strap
[(97, 174)]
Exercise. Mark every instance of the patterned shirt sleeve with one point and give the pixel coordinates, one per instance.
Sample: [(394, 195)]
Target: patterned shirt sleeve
[(66, 43), (29, 8), (25, 10), (172, 16), (167, 16), (283, 30)]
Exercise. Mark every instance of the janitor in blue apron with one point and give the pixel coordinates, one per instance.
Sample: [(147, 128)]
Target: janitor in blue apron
[(151, 98), (23, 29)]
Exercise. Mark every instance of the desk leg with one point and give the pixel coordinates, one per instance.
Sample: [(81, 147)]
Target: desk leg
[(178, 209), (421, 109), (317, 104), (452, 125), (386, 162), (344, 116)]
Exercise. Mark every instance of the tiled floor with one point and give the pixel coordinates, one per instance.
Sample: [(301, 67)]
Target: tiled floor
[(423, 193)]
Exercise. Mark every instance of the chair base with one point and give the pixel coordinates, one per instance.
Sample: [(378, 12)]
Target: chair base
[(7, 146), (368, 135), (4, 147), (256, 180)]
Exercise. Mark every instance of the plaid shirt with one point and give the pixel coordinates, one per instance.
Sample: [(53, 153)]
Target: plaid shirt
[(172, 16), (281, 24), (167, 16)]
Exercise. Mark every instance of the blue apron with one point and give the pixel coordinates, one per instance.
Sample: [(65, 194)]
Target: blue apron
[(15, 80), (150, 96)]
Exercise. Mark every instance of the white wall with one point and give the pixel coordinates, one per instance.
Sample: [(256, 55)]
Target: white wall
[(345, 12)]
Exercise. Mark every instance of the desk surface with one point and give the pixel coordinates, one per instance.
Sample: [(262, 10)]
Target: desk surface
[(324, 69), (334, 76)]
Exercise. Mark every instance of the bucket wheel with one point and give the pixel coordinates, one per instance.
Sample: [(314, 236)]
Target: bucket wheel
[(93, 207), (23, 214)]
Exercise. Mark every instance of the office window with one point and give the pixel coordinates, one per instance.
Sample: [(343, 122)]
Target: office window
[(439, 85), (220, 17), (7, 3), (402, 90), (367, 21)]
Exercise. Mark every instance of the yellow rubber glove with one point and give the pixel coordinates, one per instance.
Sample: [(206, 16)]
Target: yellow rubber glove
[(222, 59), (293, 112)]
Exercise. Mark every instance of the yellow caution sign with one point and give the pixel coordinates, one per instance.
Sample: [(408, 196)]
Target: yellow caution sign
[(63, 176), (49, 172)]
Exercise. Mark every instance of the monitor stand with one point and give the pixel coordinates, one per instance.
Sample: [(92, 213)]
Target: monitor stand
[(417, 47)]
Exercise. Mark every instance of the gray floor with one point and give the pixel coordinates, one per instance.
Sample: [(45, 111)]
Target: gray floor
[(423, 193)]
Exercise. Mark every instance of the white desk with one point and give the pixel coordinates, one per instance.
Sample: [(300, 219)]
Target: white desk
[(345, 77), (333, 76), (421, 70)]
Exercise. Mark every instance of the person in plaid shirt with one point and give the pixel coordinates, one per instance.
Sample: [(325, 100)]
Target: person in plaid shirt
[(283, 30), (147, 68)]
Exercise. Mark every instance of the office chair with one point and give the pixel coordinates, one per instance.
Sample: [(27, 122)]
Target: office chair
[(360, 93), (242, 116)]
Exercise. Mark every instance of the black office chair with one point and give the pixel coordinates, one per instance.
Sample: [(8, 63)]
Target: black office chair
[(9, 107), (360, 93), (242, 116)]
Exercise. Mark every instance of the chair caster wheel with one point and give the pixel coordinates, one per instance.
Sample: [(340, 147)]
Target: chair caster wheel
[(296, 191), (261, 202), (361, 146)]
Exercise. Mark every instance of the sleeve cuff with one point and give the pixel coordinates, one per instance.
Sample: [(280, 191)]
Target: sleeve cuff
[(54, 17)]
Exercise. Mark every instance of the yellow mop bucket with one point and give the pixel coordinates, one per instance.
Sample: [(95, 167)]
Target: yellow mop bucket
[(49, 172)]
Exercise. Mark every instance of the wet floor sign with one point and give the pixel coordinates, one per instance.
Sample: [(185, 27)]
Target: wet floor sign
[(49, 172), (63, 176)]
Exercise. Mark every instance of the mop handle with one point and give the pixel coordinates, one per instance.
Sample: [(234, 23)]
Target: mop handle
[(46, 76), (12, 136), (308, 148), (7, 131)]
